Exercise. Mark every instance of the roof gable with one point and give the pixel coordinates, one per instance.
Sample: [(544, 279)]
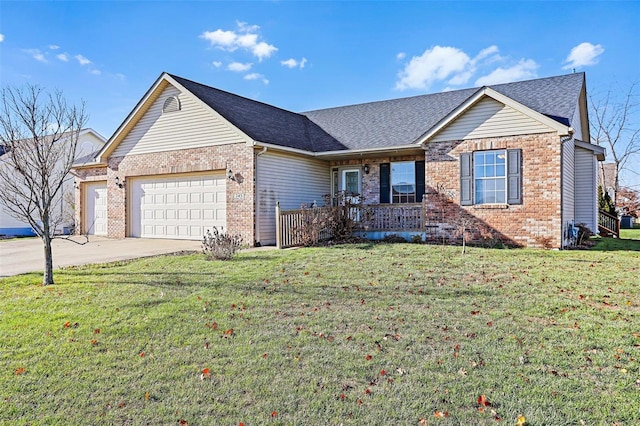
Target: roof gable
[(263, 122), (489, 118), (407, 121), (520, 119), (186, 124)]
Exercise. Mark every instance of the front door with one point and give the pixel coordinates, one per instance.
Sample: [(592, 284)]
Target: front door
[(351, 182)]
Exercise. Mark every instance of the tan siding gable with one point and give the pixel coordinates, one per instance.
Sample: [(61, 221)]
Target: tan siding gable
[(490, 118), (194, 126)]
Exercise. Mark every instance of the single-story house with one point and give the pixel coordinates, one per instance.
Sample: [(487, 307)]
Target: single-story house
[(513, 157), (89, 142)]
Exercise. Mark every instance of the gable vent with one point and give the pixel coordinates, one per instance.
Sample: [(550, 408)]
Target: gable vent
[(171, 104)]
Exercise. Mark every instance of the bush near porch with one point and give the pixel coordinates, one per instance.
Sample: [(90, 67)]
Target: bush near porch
[(362, 334)]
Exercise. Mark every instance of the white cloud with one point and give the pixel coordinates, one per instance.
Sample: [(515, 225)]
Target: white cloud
[(455, 67), (246, 37), (400, 56), (217, 64), (37, 55), (582, 55), (525, 69), (256, 76), (435, 64), (82, 60), (54, 47), (95, 72), (244, 27), (263, 50), (292, 63), (63, 57), (1, 38), (239, 67)]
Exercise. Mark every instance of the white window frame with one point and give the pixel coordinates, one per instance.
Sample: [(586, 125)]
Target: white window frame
[(502, 178), (414, 183)]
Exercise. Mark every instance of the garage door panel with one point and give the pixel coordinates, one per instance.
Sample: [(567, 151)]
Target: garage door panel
[(178, 206)]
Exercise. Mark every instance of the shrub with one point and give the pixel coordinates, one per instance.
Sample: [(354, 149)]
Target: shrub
[(394, 238), (417, 239), (220, 245)]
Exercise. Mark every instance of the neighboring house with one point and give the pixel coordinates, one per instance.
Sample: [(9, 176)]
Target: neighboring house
[(188, 157), (88, 143), (607, 179)]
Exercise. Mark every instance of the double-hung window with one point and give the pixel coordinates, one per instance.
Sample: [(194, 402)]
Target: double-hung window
[(402, 182), (491, 177)]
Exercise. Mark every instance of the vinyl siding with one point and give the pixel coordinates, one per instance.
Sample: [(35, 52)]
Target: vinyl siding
[(87, 144), (291, 180), (489, 118), (576, 123), (585, 188), (568, 187), (194, 126)]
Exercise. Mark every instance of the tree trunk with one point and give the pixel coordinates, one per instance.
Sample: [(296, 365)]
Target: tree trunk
[(48, 261)]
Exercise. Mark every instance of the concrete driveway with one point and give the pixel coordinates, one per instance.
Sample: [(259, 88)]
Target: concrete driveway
[(22, 255)]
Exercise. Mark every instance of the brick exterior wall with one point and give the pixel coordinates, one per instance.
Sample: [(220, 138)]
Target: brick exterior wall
[(239, 158), (534, 223), (371, 181)]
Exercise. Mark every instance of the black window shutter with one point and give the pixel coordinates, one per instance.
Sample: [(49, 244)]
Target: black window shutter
[(466, 179), (514, 176), (419, 180), (385, 177)]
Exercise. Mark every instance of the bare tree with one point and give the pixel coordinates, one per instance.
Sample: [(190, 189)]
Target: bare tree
[(40, 133), (614, 125)]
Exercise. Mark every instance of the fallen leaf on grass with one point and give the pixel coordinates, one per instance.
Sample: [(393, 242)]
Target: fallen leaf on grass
[(521, 421), (96, 331), (19, 371), (368, 357), (483, 402), (440, 414), (146, 396), (142, 354), (205, 374), (274, 414), (183, 422)]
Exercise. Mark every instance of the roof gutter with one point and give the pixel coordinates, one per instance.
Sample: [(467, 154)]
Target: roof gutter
[(340, 153)]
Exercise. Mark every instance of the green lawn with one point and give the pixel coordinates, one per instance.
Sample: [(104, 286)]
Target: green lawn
[(354, 335)]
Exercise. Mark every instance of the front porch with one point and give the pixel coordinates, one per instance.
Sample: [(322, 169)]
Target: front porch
[(432, 220)]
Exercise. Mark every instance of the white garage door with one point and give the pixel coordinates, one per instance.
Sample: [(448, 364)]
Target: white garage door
[(96, 208), (180, 207)]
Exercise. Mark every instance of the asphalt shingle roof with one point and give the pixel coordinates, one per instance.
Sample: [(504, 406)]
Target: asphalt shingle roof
[(402, 121), (390, 123), (263, 122)]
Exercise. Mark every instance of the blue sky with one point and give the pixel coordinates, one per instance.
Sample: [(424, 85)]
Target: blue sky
[(309, 55)]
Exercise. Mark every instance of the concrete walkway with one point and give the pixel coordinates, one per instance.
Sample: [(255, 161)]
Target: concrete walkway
[(22, 255)]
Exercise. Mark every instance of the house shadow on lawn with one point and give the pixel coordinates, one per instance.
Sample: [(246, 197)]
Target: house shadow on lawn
[(615, 244)]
